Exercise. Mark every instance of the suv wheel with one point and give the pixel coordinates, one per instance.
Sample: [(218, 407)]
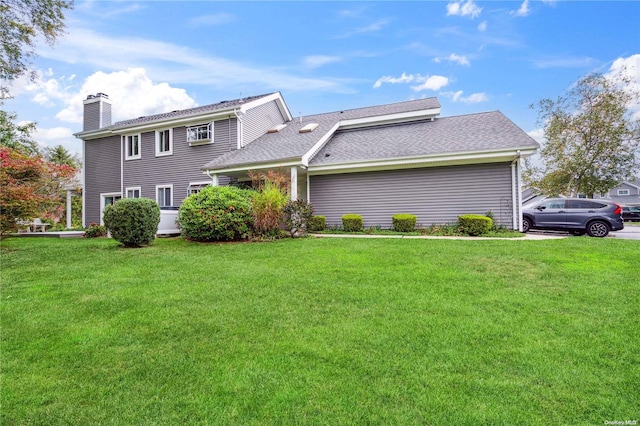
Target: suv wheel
[(526, 224), (597, 228)]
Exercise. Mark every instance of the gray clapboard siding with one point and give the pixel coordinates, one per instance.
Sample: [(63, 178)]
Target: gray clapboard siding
[(102, 159), (435, 195), (260, 119), (183, 166)]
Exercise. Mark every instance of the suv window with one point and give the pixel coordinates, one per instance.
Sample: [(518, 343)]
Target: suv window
[(585, 204), (552, 204)]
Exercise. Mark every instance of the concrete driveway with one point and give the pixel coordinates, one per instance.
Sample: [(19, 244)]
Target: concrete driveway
[(630, 232)]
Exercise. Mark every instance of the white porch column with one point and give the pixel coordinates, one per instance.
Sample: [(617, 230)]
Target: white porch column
[(294, 183), (68, 208), (214, 179)]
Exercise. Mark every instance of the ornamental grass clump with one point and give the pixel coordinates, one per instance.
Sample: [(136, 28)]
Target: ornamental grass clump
[(269, 202), (216, 213), (474, 224), (352, 222), (404, 222), (133, 222)]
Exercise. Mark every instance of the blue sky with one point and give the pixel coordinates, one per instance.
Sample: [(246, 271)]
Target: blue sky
[(157, 56)]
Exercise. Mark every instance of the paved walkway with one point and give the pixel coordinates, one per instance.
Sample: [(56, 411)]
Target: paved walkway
[(528, 236)]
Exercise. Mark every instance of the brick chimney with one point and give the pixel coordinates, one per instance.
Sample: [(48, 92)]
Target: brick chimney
[(97, 112)]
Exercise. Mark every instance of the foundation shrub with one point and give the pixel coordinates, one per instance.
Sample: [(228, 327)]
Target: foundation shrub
[(474, 224), (317, 223), (94, 231), (133, 222), (352, 222), (269, 202), (403, 222), (297, 215), (217, 213)]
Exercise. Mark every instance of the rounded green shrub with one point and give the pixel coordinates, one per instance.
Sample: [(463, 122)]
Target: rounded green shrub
[(352, 222), (217, 213), (403, 222), (133, 222), (317, 223), (94, 231), (474, 224)]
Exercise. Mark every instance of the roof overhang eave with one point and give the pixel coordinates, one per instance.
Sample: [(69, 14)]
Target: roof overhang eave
[(288, 162), (424, 161)]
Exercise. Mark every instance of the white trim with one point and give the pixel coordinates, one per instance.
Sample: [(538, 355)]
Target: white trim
[(514, 219), (103, 195), (294, 183), (157, 142), (471, 157), (168, 185), (520, 216), (125, 139), (318, 145), (199, 184), (276, 96), (132, 188), (400, 117), (84, 184), (625, 192), (246, 167)]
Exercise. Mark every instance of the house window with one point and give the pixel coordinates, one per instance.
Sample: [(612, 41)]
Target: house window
[(107, 199), (623, 192), (132, 147), (196, 187), (164, 195), (133, 192), (201, 134), (164, 142)]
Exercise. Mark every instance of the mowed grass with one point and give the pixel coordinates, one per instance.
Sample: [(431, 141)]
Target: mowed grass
[(320, 331)]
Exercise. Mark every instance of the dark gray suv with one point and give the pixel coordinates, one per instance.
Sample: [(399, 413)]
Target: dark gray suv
[(575, 215)]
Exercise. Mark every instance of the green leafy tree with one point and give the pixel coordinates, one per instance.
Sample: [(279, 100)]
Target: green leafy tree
[(591, 138), (21, 23), (59, 155), (17, 136)]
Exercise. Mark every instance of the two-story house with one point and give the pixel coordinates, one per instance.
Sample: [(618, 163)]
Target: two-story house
[(375, 161), (627, 193)]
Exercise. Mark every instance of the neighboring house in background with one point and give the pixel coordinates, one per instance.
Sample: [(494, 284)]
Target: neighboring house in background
[(375, 161), (627, 193)]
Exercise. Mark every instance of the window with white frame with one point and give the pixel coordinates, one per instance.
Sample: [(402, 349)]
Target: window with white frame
[(131, 147), (623, 192), (196, 187), (107, 199), (164, 142), (200, 134), (164, 195), (133, 192)]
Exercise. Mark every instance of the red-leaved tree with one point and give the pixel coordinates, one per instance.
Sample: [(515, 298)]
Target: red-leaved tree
[(29, 186)]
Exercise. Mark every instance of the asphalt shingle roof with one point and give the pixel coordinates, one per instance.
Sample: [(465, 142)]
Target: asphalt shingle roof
[(186, 112), (487, 131), (289, 143)]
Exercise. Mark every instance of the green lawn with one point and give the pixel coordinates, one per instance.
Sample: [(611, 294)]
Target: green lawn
[(320, 331)]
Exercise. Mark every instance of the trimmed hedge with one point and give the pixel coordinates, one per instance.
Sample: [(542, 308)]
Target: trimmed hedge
[(352, 222), (217, 213), (317, 223), (474, 224), (403, 222), (133, 221), (94, 231)]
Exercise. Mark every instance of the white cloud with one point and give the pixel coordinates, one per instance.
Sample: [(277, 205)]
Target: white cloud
[(474, 98), (50, 137), (524, 9), (178, 64), (371, 28), (434, 82), (404, 78), (132, 94), (629, 68), (460, 60), (212, 20), (482, 26), (460, 8), (316, 61), (537, 135)]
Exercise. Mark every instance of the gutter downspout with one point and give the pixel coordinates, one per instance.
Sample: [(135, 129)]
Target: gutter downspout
[(240, 129), (213, 177), (516, 213)]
